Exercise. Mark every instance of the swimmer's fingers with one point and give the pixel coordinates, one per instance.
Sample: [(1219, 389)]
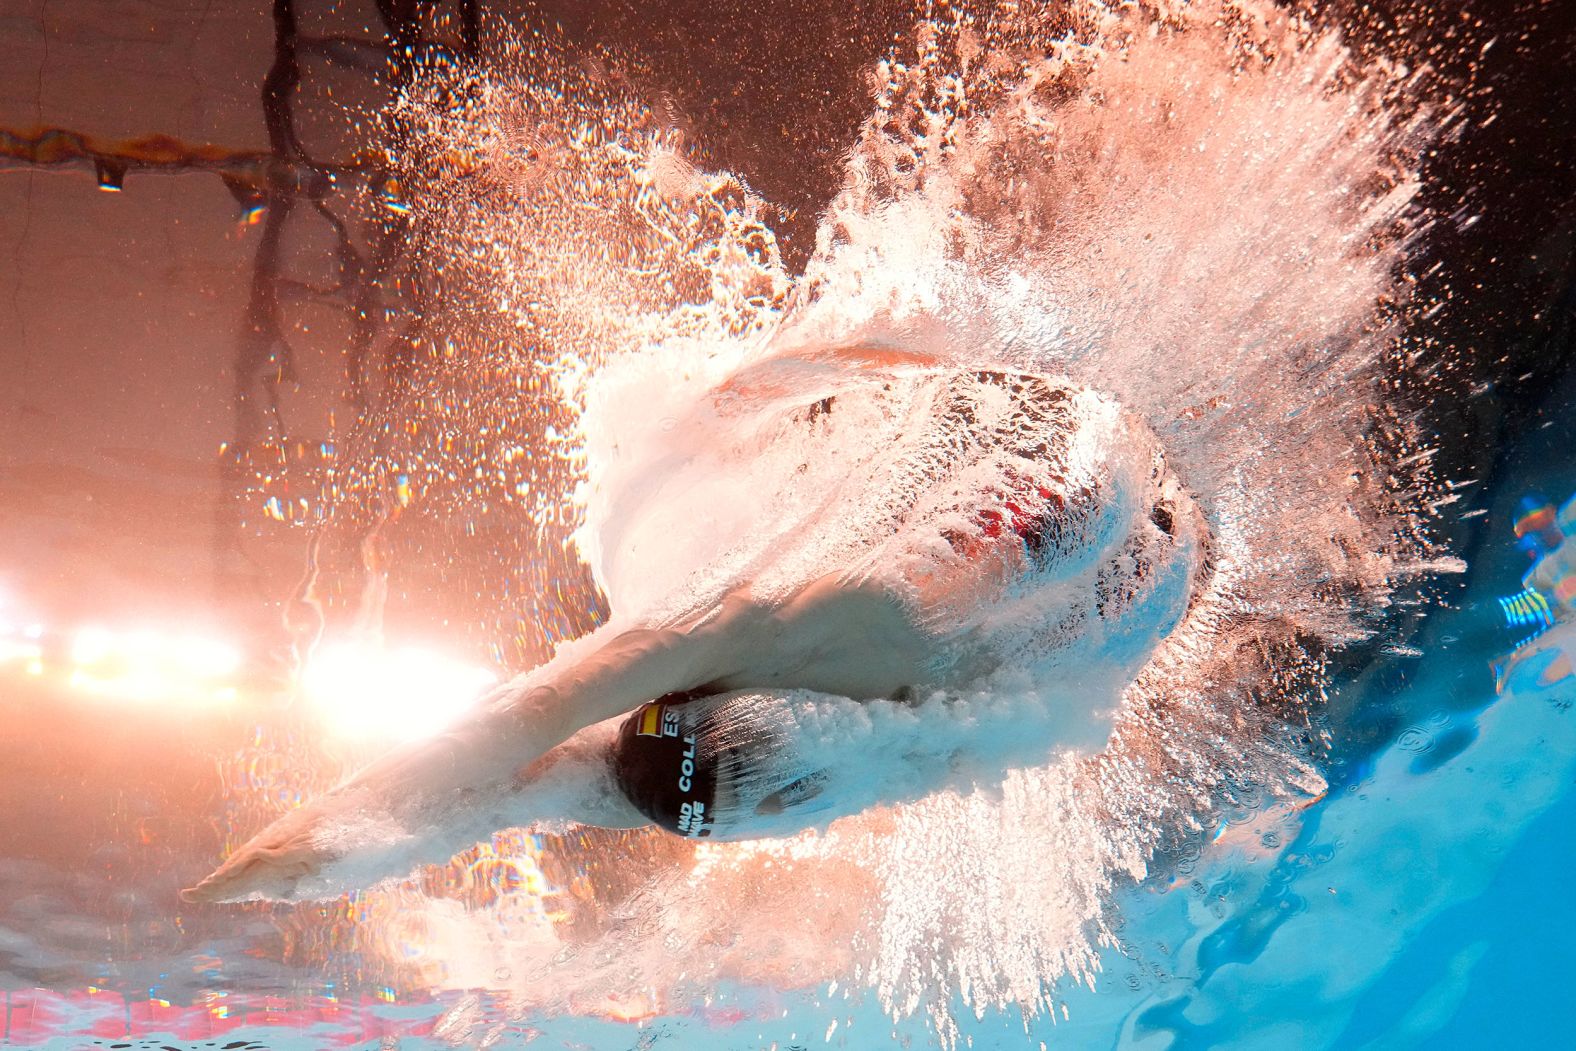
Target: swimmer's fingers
[(257, 873), (450, 780), (272, 864), (426, 784)]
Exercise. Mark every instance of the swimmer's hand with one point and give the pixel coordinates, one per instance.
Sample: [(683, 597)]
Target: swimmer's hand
[(423, 802), (416, 805), (272, 864)]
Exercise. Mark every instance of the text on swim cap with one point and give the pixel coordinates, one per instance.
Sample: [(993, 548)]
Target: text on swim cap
[(687, 766)]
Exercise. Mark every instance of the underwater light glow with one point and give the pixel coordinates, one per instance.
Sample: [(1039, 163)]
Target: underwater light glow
[(14, 650), (152, 665), (144, 664), (403, 693)]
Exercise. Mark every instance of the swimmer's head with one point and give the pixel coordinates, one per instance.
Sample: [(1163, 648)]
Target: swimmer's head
[(731, 766), (758, 764)]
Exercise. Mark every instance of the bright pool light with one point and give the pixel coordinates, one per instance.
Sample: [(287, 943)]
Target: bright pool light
[(16, 650), (151, 665), (401, 693), (360, 691)]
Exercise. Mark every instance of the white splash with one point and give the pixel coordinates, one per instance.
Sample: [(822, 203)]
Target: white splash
[(1198, 211)]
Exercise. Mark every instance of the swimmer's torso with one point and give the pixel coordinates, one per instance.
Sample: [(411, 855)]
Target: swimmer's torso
[(1009, 517), (981, 523)]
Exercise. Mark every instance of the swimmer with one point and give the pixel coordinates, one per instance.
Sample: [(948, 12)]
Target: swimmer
[(997, 491), (1546, 602)]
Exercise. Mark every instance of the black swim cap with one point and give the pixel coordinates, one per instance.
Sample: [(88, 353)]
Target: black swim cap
[(659, 766), (723, 766)]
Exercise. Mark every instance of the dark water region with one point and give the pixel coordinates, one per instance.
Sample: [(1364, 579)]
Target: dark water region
[(1503, 289), (206, 281)]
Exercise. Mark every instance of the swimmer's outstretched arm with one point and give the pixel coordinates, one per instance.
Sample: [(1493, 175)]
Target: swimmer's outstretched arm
[(446, 792), (423, 801)]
